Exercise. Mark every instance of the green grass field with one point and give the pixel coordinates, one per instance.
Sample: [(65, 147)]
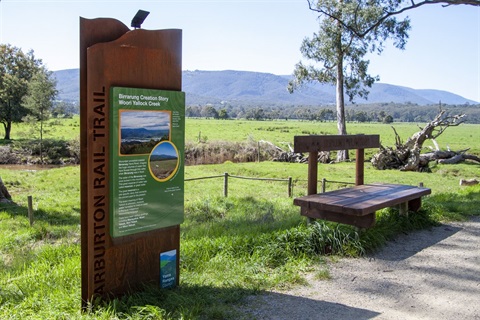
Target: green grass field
[(60, 129), (281, 133), (252, 241)]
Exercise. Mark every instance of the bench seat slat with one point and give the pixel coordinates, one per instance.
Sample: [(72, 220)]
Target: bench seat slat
[(363, 199)]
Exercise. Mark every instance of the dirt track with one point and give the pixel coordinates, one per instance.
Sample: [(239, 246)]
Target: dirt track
[(429, 274)]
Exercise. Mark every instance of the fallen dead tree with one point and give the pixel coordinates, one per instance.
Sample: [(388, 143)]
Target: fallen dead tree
[(408, 157), (323, 157)]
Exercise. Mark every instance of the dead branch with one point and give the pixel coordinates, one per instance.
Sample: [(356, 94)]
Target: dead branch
[(471, 157), (455, 159)]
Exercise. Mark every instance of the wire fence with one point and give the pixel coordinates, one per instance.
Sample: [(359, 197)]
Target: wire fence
[(290, 182), (226, 176)]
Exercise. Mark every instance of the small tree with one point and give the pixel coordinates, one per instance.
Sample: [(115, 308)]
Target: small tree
[(64, 108), (209, 112), (16, 70), (39, 100), (223, 114), (388, 119)]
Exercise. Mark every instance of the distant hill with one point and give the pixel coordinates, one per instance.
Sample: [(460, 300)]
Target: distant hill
[(162, 157), (68, 84), (142, 133), (255, 88)]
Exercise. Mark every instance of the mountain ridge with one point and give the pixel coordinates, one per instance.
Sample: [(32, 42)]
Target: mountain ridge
[(250, 88)]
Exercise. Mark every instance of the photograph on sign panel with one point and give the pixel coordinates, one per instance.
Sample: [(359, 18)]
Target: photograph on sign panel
[(142, 130), (163, 161)]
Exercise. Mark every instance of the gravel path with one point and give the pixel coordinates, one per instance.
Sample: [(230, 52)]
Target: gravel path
[(429, 274)]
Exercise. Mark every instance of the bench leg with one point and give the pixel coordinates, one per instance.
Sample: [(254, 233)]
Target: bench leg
[(415, 204), (403, 208)]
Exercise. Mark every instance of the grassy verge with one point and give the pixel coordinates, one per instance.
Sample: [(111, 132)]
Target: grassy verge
[(254, 240)]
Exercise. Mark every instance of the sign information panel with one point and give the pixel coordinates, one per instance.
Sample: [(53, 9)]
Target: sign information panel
[(147, 133), (168, 270)]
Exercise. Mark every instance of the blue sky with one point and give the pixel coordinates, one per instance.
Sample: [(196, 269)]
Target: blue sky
[(443, 51), (165, 148), (149, 120)]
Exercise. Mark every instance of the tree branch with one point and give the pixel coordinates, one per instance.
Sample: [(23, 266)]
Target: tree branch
[(388, 14)]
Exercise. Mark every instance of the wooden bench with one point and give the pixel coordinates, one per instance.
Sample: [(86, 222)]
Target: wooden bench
[(356, 205)]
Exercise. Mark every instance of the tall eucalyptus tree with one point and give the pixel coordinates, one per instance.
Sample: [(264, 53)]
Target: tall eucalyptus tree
[(338, 56)]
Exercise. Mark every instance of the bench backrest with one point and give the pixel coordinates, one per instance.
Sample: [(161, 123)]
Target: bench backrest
[(315, 143)]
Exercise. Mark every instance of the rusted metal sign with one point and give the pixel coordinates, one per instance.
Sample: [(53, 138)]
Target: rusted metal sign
[(112, 56)]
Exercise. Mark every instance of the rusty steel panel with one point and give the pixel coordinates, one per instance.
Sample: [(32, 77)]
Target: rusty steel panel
[(335, 142), (112, 55)]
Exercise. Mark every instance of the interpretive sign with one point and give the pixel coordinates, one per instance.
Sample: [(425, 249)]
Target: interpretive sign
[(147, 145), (132, 142)]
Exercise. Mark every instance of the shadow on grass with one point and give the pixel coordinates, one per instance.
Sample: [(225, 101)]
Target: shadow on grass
[(240, 215), (52, 218), (183, 302), (206, 302)]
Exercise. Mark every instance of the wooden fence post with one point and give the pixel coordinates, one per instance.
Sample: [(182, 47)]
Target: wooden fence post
[(30, 210), (324, 185), (225, 185), (258, 151), (290, 187)]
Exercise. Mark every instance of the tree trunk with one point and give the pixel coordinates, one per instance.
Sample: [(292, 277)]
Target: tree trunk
[(41, 139), (342, 155), (8, 127), (5, 197)]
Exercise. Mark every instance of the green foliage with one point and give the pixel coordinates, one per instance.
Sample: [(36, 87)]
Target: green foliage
[(137, 147), (223, 114), (65, 109), (61, 143), (31, 151), (40, 95), (338, 55), (209, 112), (39, 101), (16, 71), (341, 52)]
